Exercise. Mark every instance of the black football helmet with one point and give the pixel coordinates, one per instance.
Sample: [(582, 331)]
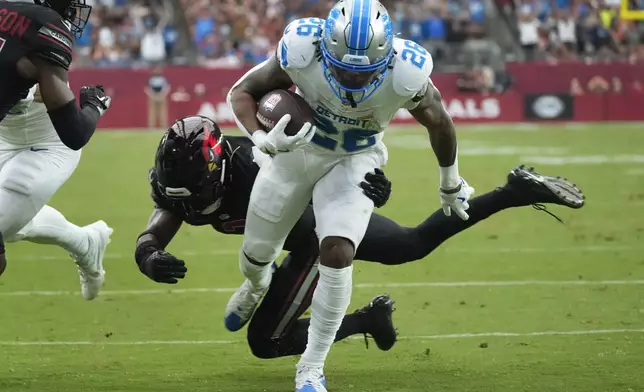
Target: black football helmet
[(190, 165), (76, 12)]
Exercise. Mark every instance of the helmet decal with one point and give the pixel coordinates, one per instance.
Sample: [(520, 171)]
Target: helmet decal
[(211, 147)]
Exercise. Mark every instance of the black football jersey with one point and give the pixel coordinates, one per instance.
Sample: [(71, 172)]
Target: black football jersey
[(31, 31), (230, 217)]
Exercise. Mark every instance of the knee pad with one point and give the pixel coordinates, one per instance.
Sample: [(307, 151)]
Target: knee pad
[(261, 251)]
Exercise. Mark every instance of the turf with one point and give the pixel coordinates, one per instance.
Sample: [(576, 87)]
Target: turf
[(568, 297)]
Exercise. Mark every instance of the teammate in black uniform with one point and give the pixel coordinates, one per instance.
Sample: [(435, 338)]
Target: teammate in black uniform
[(36, 47), (204, 178)]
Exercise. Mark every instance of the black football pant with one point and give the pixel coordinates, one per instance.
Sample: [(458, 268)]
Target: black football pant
[(276, 329)]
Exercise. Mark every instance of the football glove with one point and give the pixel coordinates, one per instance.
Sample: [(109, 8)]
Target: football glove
[(456, 199), (277, 141), (95, 96), (163, 267), (377, 187)]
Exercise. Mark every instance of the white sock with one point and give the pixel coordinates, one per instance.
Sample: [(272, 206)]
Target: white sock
[(50, 227), (330, 302), (258, 275)]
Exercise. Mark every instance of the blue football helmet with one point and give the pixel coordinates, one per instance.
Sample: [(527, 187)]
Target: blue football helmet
[(357, 48)]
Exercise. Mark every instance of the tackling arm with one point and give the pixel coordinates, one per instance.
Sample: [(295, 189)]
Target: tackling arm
[(431, 113), (150, 256)]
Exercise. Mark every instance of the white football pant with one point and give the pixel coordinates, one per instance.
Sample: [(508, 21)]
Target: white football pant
[(286, 184)]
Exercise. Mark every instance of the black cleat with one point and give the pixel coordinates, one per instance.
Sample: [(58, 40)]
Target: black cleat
[(379, 322), (534, 188)]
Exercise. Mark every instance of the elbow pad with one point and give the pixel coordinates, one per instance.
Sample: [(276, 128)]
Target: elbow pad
[(74, 126)]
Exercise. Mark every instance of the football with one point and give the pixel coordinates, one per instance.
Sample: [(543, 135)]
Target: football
[(277, 103)]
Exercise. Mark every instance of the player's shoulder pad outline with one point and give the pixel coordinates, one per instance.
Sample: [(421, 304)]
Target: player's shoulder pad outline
[(412, 68), (52, 38), (298, 45)]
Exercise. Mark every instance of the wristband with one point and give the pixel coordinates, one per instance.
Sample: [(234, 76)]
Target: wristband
[(449, 177)]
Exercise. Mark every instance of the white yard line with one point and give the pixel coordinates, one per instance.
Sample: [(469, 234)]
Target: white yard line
[(411, 338), (523, 334), (383, 285), (229, 252)]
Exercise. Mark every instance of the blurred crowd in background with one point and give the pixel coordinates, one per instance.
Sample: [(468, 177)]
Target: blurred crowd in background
[(573, 29), (473, 37), (127, 33)]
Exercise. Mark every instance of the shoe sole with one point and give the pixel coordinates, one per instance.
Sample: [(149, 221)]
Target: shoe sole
[(560, 188), (104, 233)]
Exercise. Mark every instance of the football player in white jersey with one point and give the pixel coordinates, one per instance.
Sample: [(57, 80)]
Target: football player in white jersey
[(356, 76), (34, 164)]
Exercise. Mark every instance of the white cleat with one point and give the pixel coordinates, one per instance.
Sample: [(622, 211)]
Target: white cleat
[(90, 266), (309, 379), (241, 306)]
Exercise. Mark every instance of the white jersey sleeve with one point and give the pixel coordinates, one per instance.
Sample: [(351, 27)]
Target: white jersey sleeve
[(298, 47), (412, 70)]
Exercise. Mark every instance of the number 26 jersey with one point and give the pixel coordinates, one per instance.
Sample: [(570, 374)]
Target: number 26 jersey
[(343, 129)]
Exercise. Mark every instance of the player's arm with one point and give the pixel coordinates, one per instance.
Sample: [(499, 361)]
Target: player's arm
[(245, 94), (293, 53), (431, 114), (49, 63), (74, 126), (150, 256)]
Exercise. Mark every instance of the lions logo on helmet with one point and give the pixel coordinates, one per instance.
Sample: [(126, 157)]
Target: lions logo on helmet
[(357, 49)]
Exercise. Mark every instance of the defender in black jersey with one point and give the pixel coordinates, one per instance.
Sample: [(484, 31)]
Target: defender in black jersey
[(202, 177), (36, 42), (36, 48)]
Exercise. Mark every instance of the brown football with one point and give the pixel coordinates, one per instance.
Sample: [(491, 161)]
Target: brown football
[(277, 103)]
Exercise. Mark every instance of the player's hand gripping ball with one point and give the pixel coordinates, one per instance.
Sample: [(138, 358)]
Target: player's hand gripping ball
[(278, 103), (287, 118)]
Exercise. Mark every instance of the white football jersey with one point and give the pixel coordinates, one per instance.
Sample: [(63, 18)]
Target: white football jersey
[(28, 123), (341, 128)]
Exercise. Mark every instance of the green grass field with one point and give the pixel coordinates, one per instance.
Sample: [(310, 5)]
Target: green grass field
[(517, 303)]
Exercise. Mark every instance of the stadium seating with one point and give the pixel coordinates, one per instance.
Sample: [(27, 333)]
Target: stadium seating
[(231, 33)]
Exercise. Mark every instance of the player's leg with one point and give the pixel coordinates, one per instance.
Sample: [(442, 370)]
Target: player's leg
[(276, 329), (27, 182), (342, 214), (280, 194), (388, 243), (6, 153), (86, 244), (50, 227)]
